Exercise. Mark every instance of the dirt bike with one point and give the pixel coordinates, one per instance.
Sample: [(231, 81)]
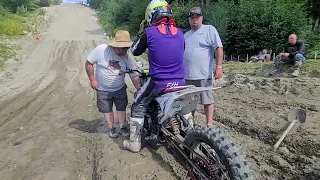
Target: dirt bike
[(217, 158)]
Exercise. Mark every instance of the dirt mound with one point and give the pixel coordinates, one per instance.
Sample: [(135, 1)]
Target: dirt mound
[(258, 108)]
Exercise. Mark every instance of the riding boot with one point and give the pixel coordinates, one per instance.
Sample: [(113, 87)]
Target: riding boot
[(189, 118), (134, 142)]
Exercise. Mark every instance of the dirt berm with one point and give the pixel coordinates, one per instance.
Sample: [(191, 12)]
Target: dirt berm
[(50, 127)]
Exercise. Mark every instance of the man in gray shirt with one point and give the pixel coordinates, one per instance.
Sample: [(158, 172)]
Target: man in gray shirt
[(202, 43), (110, 59)]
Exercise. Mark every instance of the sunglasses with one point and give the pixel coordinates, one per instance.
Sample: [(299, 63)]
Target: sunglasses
[(195, 11), (123, 48)]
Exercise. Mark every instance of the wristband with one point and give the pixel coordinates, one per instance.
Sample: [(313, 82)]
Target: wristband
[(219, 66)]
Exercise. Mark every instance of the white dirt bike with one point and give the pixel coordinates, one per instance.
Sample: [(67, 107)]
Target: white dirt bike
[(207, 151)]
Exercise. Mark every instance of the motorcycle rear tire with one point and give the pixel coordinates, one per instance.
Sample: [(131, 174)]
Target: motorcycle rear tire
[(231, 156)]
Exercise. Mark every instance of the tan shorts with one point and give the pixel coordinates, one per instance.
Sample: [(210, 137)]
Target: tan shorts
[(206, 97)]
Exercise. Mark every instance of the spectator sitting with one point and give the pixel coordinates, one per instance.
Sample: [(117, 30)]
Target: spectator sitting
[(293, 52), (263, 56)]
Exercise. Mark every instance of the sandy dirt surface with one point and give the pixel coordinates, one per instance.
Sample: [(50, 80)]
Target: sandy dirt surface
[(256, 110), (49, 122), (50, 127)]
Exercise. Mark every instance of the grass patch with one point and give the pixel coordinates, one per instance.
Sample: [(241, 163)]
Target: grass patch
[(15, 25), (11, 26), (243, 67), (309, 67), (249, 69), (6, 52)]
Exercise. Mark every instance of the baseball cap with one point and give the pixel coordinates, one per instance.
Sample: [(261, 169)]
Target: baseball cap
[(195, 11)]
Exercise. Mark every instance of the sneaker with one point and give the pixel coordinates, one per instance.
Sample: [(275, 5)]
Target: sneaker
[(296, 73), (124, 131), (113, 132)]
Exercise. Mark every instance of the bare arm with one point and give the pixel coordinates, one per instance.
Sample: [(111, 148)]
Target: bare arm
[(219, 56), (90, 70), (136, 81)]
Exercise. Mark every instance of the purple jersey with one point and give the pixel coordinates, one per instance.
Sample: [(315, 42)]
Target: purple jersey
[(165, 54)]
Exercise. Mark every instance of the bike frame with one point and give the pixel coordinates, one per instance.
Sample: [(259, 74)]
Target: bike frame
[(172, 103)]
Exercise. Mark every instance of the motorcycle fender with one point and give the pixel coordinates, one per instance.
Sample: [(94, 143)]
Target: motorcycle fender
[(174, 102)]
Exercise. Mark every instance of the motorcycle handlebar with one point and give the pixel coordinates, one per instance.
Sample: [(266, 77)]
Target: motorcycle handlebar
[(129, 71)]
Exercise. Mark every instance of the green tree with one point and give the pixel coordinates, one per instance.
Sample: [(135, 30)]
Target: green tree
[(14, 4), (254, 25), (245, 26)]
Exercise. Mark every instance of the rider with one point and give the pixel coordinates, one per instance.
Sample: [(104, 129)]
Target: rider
[(165, 43)]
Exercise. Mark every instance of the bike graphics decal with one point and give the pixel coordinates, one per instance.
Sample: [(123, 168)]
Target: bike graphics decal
[(172, 84)]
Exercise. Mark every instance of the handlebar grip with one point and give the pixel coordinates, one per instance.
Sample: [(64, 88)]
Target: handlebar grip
[(123, 72), (129, 71)]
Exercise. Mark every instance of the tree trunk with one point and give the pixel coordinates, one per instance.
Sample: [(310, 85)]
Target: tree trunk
[(310, 23), (316, 24)]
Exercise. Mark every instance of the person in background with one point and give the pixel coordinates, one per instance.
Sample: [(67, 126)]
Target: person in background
[(110, 59), (202, 44), (293, 53), (262, 56)]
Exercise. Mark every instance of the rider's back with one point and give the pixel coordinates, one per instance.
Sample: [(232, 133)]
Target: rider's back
[(165, 53)]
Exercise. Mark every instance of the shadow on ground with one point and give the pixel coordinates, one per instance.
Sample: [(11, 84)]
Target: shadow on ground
[(99, 126), (87, 126)]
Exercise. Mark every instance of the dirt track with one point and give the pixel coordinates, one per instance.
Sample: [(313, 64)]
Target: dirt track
[(48, 115), (50, 127)]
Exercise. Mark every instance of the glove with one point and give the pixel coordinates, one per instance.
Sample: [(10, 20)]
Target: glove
[(143, 24)]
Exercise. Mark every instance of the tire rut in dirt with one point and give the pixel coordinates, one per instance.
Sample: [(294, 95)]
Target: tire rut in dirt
[(96, 157), (166, 155), (24, 102), (50, 106), (25, 105)]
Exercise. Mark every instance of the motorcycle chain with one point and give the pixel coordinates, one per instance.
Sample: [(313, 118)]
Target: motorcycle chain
[(179, 152)]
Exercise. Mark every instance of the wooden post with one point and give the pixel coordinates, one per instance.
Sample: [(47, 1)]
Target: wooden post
[(238, 57), (315, 55), (247, 58), (231, 57)]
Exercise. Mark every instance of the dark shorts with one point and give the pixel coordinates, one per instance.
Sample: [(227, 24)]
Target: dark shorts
[(105, 100), (206, 97)]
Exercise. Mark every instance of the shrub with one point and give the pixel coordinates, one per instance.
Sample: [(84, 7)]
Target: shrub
[(11, 26), (22, 11)]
